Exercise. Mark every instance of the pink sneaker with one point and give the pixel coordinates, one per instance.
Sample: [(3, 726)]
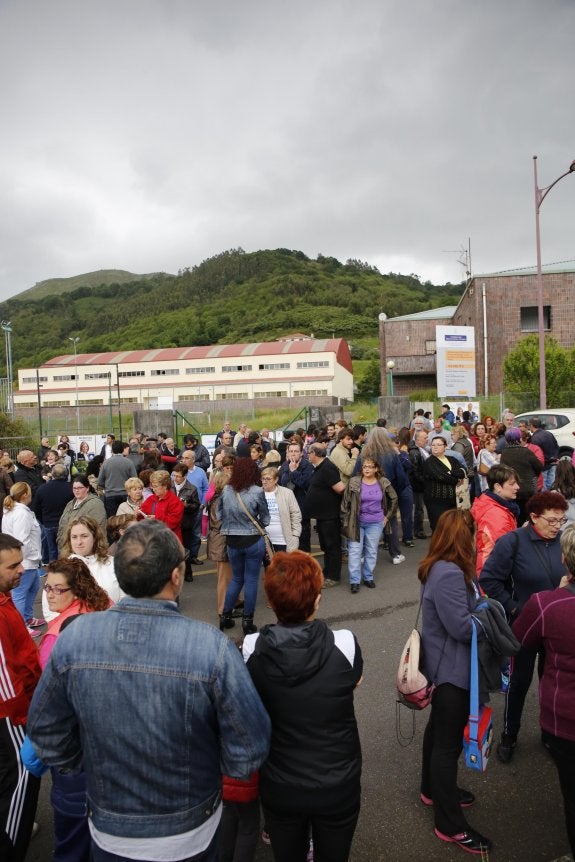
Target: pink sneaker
[(36, 622), (34, 633)]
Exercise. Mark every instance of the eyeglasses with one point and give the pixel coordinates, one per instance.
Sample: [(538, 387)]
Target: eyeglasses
[(268, 479), (554, 522), (56, 590)]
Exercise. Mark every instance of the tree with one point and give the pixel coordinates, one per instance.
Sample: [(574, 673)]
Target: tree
[(370, 384), (521, 369)]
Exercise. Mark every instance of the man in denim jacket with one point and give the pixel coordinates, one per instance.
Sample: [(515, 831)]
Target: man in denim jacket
[(153, 706)]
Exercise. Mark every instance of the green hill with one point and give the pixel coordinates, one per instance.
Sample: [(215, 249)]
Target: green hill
[(230, 298), (88, 279)]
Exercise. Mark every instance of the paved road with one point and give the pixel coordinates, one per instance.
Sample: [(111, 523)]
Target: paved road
[(518, 806)]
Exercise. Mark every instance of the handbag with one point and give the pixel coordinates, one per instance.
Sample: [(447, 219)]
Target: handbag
[(413, 688), (269, 551), (462, 498), (478, 732)]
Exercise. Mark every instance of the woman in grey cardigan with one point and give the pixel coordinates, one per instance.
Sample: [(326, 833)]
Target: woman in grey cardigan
[(448, 596), (284, 528)]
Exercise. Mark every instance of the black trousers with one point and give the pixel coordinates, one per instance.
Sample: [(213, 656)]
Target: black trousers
[(522, 667), (329, 535), (305, 538), (290, 818), (18, 795), (563, 753), (442, 745), (239, 831), (435, 508)]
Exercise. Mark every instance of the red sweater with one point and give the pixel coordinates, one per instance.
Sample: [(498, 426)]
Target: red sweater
[(169, 509), (237, 790), (548, 620), (19, 664)]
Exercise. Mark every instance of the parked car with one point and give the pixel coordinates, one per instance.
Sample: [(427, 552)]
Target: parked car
[(561, 423)]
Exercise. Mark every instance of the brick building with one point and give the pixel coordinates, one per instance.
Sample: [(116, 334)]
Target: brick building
[(501, 306)]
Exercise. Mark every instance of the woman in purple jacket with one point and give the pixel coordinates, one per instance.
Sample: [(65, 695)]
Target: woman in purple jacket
[(448, 596), (548, 621)]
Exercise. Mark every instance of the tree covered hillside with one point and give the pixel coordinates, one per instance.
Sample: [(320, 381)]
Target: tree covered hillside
[(230, 298)]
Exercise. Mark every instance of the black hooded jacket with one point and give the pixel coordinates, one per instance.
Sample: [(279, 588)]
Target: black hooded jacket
[(305, 675)]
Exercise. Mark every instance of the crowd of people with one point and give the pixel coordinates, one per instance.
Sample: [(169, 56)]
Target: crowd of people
[(120, 531)]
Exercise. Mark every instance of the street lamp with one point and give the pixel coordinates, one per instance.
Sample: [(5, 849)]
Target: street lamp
[(540, 195), (75, 341), (390, 367), (5, 325)]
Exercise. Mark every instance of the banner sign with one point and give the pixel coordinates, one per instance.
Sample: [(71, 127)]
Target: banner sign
[(455, 361)]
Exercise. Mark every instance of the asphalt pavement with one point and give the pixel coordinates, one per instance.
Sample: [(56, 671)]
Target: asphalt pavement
[(518, 806)]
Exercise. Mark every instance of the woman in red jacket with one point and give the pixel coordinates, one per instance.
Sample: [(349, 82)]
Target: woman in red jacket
[(548, 621), (496, 511), (163, 504)]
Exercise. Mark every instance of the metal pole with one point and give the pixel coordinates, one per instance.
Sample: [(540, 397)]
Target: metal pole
[(5, 324), (39, 403), (75, 341), (540, 315), (540, 195), (119, 407)]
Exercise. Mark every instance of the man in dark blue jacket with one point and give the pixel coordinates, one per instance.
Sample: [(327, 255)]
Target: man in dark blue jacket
[(296, 473), (49, 502)]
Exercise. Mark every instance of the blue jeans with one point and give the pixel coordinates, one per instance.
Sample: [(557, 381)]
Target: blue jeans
[(548, 477), (246, 564), (369, 536), (50, 534), (24, 594)]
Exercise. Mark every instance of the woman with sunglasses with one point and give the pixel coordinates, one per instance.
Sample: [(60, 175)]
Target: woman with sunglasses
[(523, 562)]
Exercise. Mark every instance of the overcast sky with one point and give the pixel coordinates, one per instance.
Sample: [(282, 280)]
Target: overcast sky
[(148, 135)]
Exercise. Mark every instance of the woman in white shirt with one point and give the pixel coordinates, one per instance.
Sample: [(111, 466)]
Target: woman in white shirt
[(85, 539), (284, 528), (486, 459), (20, 522)]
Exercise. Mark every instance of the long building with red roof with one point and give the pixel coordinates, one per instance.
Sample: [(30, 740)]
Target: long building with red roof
[(292, 367)]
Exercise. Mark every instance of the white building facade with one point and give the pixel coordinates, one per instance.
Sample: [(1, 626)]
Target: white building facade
[(291, 368)]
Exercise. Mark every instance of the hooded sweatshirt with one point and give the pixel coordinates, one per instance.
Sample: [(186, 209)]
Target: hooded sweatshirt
[(305, 675)]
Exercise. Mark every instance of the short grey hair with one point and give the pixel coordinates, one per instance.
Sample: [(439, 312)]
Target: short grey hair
[(59, 471), (568, 548)]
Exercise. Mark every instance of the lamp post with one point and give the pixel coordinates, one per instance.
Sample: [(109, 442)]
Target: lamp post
[(75, 341), (390, 367), (5, 325), (540, 195)]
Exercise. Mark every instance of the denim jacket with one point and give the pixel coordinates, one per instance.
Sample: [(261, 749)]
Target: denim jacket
[(234, 520), (154, 706)]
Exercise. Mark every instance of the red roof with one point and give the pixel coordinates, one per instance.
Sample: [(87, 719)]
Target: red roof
[(338, 346)]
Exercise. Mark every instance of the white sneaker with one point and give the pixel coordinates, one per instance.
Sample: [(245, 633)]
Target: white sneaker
[(399, 559)]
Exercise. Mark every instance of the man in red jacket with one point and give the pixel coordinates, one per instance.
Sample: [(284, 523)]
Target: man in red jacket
[(19, 674)]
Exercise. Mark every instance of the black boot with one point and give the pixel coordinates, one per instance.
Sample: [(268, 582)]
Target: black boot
[(226, 621), (248, 626)]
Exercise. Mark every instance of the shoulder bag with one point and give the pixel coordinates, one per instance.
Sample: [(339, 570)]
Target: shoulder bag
[(478, 732), (269, 552)]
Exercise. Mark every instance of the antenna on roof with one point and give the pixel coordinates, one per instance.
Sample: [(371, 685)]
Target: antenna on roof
[(464, 258)]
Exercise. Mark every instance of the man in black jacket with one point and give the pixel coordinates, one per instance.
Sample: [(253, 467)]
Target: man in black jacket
[(49, 503), (550, 448), (323, 502), (418, 455), (28, 470), (296, 474)]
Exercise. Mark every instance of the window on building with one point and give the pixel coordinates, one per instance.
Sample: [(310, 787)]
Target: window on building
[(33, 379), (430, 346), (319, 364), (234, 368), (204, 369), (55, 403), (278, 394), (128, 400), (309, 392), (64, 377), (91, 401), (27, 404), (101, 375), (273, 366), (204, 397), (162, 372), (530, 318), (130, 374), (230, 396)]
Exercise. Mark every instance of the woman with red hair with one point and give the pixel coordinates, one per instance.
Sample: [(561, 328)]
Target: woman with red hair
[(244, 514), (448, 597), (305, 675)]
